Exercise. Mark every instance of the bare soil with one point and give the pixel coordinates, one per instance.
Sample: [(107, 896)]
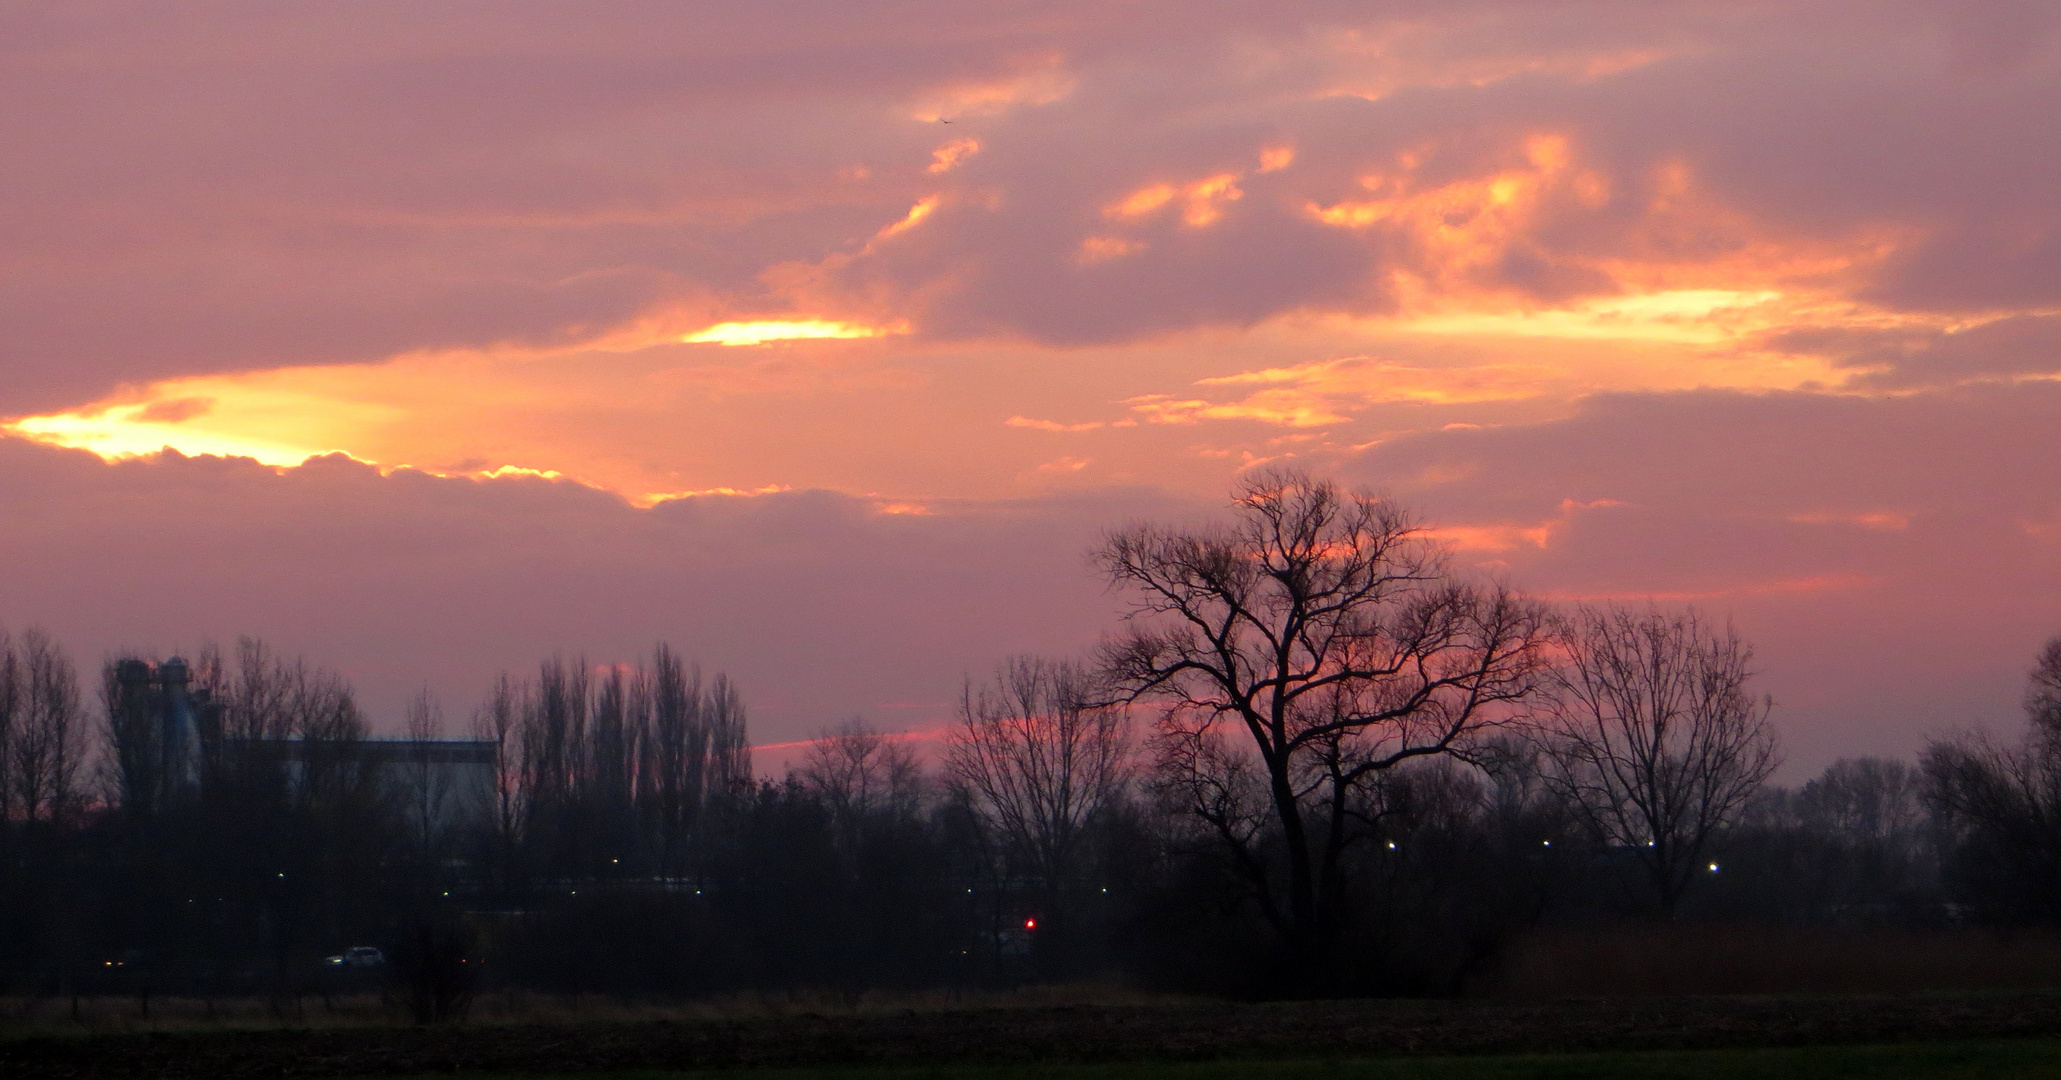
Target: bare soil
[(1082, 1033)]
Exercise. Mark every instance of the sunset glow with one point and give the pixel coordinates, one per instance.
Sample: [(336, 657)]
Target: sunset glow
[(131, 430), (835, 342)]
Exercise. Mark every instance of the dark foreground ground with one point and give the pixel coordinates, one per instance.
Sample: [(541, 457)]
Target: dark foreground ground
[(1149, 1040)]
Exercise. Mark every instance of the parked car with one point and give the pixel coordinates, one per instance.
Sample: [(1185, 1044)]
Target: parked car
[(361, 956)]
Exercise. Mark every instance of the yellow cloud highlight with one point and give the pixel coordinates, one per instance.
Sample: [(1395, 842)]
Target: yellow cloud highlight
[(924, 207), (655, 498), (503, 472), (1142, 201), (1276, 158), (947, 157), (132, 430), (1284, 407), (759, 332), (453, 415), (116, 432), (1691, 316)]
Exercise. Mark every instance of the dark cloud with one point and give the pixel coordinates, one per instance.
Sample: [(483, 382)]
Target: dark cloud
[(1894, 558), (1907, 357), (819, 605), (271, 186)]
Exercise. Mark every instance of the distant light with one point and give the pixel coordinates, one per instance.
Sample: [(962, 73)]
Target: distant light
[(1391, 845), (1713, 868), (1030, 924), (615, 860), (1547, 843)]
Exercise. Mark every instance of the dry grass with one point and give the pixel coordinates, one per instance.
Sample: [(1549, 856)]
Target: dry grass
[(25, 1016), (973, 1042), (1691, 959), (1619, 962)]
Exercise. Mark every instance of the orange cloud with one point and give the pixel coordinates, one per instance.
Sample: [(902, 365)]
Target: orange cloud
[(924, 208), (1202, 201), (1046, 81), (1324, 392), (1375, 62), (1051, 425), (1267, 407), (947, 157), (1097, 249), (1882, 520), (1465, 225), (1505, 536)]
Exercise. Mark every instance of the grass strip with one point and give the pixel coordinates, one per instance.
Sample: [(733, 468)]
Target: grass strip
[(1995, 1059)]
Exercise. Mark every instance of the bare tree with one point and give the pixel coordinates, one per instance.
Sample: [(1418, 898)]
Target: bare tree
[(729, 749), (499, 721), (618, 737), (1864, 800), (260, 698), (429, 785), (1328, 633), (47, 743), (1040, 757), (860, 773), (612, 769), (674, 766), (2001, 805), (1655, 741)]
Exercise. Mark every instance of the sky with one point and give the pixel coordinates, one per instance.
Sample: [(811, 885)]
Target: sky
[(822, 339)]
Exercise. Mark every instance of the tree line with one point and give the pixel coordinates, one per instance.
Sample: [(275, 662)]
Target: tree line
[(1315, 757)]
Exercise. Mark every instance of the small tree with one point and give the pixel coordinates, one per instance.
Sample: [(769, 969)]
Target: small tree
[(1655, 742), (1039, 758), (429, 791), (860, 773), (2001, 807)]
